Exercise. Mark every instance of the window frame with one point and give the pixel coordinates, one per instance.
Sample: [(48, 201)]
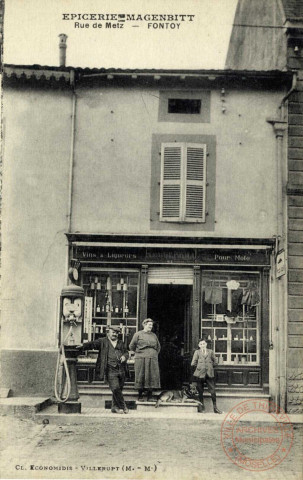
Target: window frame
[(216, 277), (183, 182)]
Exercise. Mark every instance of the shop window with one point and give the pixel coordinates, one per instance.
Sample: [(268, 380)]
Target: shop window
[(231, 316), (111, 298), (183, 182)]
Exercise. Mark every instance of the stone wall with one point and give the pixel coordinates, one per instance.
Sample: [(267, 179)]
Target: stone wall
[(295, 250)]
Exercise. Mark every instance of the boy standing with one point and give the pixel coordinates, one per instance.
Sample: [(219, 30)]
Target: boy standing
[(203, 363)]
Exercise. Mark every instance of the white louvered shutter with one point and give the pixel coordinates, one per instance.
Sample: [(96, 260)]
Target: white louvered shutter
[(195, 182), (171, 181)]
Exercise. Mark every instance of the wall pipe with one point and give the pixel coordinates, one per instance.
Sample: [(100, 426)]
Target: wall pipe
[(71, 163), (293, 87)]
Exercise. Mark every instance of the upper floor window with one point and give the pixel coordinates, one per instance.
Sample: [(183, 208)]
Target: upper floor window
[(183, 182), (184, 105), (187, 106)]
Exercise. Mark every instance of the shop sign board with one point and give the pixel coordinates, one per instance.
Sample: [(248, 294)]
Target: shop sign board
[(165, 255), (280, 264)]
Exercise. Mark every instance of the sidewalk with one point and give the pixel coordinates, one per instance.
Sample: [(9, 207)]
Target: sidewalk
[(42, 408), (97, 415), (130, 447)]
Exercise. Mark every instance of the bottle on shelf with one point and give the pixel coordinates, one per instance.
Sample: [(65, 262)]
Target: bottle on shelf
[(98, 309), (116, 309)]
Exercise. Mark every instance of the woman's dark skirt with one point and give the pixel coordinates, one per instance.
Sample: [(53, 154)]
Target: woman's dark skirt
[(147, 373)]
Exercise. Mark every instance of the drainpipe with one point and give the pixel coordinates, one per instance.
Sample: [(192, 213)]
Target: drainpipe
[(71, 163), (293, 87)]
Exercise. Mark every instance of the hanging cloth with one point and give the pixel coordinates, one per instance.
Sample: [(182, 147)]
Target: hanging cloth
[(251, 295), (213, 295)]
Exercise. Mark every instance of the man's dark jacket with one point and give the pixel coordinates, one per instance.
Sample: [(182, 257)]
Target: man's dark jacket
[(102, 345)]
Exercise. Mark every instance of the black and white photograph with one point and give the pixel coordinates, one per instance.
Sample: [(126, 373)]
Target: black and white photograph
[(151, 239)]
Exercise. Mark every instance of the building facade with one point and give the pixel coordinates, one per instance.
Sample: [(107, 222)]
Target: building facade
[(269, 35), (160, 188)]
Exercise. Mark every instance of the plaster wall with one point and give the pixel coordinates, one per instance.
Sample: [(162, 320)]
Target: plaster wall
[(111, 194), (37, 127), (114, 129)]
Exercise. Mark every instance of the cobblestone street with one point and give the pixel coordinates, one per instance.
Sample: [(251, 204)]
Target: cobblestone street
[(129, 448)]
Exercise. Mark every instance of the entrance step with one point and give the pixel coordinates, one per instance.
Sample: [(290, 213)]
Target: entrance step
[(99, 395), (168, 407)]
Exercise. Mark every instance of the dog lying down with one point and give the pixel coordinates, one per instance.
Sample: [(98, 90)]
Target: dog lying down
[(186, 394)]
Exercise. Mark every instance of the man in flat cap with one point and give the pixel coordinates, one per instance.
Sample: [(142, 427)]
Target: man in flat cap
[(111, 365)]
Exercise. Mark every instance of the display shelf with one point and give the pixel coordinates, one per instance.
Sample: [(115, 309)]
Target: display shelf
[(231, 326), (111, 299)]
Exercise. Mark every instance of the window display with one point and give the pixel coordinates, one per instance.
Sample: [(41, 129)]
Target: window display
[(111, 299), (231, 316)]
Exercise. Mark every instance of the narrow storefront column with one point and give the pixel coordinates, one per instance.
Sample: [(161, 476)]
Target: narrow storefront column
[(280, 127), (265, 327), (195, 331), (143, 294)]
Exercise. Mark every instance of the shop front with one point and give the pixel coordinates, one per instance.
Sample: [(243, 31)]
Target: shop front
[(189, 289)]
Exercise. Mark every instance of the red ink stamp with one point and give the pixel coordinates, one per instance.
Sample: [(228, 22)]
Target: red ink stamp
[(259, 443)]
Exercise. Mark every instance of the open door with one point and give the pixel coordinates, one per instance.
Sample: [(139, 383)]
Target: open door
[(170, 308)]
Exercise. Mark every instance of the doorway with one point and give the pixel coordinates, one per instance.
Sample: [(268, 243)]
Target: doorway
[(170, 308)]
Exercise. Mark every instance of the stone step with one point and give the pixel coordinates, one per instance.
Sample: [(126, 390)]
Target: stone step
[(97, 398), (129, 387), (168, 407), (23, 407)]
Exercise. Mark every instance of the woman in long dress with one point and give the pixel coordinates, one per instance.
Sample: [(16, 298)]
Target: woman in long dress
[(146, 346)]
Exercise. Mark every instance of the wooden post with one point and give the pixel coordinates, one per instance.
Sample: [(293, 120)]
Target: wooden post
[(143, 294), (264, 330), (195, 329)]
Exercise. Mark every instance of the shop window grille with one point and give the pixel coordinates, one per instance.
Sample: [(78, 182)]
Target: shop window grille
[(230, 320)]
